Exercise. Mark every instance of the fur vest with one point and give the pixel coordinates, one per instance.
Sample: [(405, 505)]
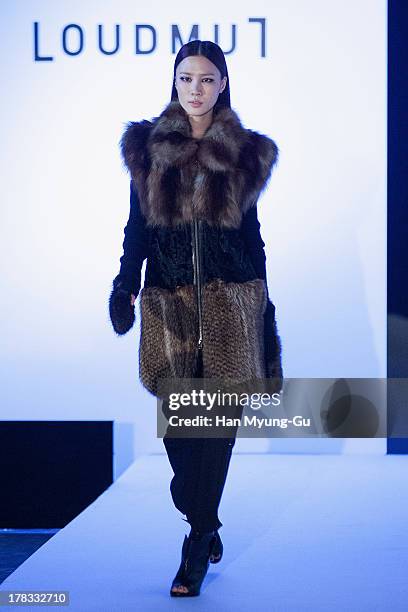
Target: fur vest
[(215, 181), (217, 177)]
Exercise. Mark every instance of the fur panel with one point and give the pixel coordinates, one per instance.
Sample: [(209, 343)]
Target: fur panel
[(168, 342), (215, 178), (233, 332)]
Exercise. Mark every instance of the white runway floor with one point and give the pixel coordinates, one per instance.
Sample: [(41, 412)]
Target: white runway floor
[(301, 533)]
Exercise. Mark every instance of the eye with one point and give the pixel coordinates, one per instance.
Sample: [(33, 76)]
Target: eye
[(185, 78)]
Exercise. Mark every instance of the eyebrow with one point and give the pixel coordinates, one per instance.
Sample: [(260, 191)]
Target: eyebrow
[(202, 74)]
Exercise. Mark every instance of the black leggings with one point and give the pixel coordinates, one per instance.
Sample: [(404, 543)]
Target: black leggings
[(200, 467)]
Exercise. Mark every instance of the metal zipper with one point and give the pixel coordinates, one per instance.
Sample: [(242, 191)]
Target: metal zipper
[(196, 226), (196, 243)]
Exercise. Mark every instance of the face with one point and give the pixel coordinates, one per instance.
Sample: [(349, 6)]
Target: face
[(198, 79)]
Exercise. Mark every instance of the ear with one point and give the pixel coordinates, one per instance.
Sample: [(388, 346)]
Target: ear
[(224, 81)]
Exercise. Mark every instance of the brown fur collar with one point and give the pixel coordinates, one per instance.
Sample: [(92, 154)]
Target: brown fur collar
[(217, 177)]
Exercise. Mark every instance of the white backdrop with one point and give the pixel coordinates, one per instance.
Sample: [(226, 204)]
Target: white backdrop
[(320, 92)]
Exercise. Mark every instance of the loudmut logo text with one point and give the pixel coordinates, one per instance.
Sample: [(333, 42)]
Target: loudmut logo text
[(75, 39)]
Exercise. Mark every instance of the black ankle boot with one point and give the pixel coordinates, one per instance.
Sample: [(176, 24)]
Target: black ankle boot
[(196, 552)]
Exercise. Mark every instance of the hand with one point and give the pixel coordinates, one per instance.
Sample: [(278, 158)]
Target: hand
[(121, 307)]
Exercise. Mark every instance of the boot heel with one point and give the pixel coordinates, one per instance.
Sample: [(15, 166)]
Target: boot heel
[(217, 549)]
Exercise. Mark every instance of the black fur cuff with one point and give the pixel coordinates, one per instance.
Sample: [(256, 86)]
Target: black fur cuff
[(121, 311), (273, 350)]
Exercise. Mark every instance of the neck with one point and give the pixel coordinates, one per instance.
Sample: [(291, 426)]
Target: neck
[(201, 123)]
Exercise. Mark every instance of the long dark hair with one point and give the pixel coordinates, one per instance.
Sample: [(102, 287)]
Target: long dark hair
[(215, 54)]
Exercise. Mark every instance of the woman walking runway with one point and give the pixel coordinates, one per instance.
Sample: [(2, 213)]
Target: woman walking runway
[(196, 176)]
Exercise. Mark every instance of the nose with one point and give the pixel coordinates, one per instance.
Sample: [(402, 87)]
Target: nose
[(196, 89)]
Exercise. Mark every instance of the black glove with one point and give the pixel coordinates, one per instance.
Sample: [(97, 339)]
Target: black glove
[(121, 311), (273, 349)]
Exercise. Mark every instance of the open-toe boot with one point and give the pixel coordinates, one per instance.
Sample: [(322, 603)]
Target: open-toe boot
[(196, 552)]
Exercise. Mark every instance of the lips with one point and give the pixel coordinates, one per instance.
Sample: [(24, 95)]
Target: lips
[(195, 102)]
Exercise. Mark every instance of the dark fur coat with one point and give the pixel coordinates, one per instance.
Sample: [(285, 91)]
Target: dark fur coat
[(217, 180)]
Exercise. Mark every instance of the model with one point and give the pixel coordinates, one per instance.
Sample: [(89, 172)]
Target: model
[(196, 176)]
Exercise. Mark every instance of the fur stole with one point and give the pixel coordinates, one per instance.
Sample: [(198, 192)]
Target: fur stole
[(216, 178)]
